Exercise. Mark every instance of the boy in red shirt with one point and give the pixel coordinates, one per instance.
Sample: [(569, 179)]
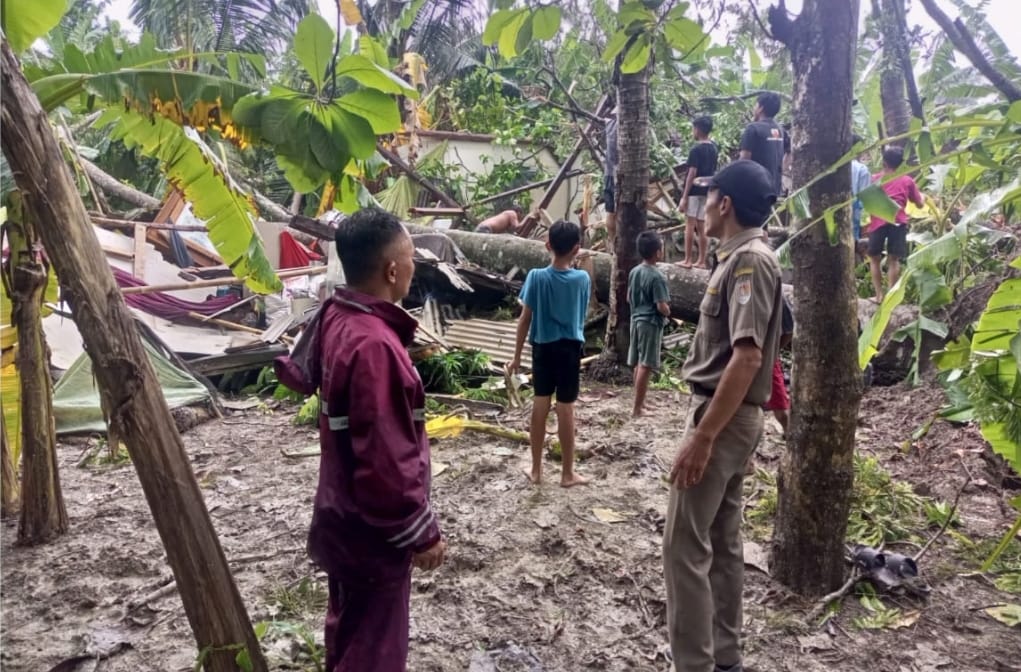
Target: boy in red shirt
[(371, 522), (894, 234)]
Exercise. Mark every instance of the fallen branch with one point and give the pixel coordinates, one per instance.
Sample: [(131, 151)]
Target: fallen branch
[(837, 594), (950, 517), (269, 207), (963, 41), (114, 187)]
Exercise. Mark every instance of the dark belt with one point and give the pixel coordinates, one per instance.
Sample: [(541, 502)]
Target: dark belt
[(701, 390)]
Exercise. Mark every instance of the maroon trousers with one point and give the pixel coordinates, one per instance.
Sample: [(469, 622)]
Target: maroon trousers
[(367, 625)]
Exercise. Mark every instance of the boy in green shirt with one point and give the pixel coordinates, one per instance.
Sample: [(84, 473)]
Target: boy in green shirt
[(649, 299)]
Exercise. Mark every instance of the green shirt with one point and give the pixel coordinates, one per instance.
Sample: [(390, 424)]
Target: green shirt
[(646, 286)]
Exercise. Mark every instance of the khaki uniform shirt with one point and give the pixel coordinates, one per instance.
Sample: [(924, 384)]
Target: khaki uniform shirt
[(742, 300)]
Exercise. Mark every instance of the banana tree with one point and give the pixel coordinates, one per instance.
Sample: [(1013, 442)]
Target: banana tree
[(327, 135)]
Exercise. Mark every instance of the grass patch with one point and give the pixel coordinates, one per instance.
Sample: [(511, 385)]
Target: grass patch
[(307, 598)]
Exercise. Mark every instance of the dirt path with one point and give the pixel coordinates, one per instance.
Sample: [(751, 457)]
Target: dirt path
[(534, 580)]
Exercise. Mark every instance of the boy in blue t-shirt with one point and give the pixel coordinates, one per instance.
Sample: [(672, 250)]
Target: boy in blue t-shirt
[(555, 300)]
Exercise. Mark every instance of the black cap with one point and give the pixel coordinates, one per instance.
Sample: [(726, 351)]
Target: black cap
[(750, 187)]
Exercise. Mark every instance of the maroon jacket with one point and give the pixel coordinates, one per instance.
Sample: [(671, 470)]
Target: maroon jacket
[(372, 504)]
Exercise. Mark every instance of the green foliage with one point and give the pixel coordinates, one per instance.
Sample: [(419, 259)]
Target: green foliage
[(446, 372), (638, 33), (30, 21), (669, 375), (197, 172), (308, 414), (882, 509), (878, 616), (313, 45)]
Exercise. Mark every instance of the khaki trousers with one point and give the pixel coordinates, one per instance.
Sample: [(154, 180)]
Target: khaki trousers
[(703, 558)]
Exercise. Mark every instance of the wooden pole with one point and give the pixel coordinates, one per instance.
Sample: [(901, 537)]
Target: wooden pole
[(531, 220), (218, 282), (111, 223), (413, 174), (523, 188), (126, 379)]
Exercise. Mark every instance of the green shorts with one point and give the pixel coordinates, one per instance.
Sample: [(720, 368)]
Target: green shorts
[(646, 341)]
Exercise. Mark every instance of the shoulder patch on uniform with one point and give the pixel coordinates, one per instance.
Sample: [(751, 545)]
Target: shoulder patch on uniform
[(743, 289), (747, 270)]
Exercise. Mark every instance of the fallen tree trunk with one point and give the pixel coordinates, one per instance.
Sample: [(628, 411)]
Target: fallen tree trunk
[(501, 253), (126, 380), (111, 186)]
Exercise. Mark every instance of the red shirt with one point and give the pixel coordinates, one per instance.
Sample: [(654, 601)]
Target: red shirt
[(900, 190), (372, 504)]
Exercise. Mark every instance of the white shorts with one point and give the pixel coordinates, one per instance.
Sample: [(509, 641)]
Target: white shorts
[(696, 207)]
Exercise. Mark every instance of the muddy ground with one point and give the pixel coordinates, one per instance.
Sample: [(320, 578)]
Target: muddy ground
[(534, 581)]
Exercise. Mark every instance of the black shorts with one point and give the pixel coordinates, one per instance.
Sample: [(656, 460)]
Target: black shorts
[(609, 187), (896, 239), (556, 367)]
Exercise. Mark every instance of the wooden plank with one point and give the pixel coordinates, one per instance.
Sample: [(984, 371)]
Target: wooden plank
[(437, 212), (138, 258), (216, 282)]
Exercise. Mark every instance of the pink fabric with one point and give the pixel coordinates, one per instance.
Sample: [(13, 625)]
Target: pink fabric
[(166, 306), (901, 190)]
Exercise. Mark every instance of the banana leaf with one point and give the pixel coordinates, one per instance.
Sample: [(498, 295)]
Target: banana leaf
[(191, 167)]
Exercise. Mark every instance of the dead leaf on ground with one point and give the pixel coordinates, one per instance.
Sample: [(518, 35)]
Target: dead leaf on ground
[(817, 642), (438, 468), (906, 620), (1008, 614), (755, 556), (609, 515)]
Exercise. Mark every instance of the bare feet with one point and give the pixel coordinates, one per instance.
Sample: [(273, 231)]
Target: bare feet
[(535, 478), (573, 480), (685, 264), (701, 264)]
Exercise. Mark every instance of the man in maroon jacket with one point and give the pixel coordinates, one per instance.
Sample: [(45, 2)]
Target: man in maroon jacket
[(372, 521)]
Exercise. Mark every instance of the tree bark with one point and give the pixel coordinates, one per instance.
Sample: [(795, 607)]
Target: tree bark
[(126, 379), (111, 186), (814, 484), (502, 253), (965, 43), (273, 211), (9, 485), (896, 113), (43, 515), (631, 197)]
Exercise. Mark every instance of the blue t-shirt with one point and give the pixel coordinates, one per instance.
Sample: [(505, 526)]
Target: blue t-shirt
[(559, 301)]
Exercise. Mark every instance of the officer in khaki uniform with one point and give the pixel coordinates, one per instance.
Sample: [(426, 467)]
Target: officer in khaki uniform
[(729, 370)]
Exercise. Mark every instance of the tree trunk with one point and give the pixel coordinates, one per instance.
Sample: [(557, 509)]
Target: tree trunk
[(502, 253), (814, 484), (896, 113), (126, 379), (631, 197), (9, 484), (43, 515), (111, 186)]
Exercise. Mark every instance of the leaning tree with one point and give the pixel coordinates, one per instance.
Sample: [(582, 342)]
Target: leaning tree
[(817, 473)]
